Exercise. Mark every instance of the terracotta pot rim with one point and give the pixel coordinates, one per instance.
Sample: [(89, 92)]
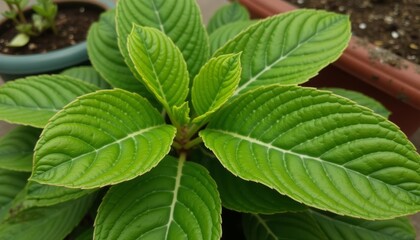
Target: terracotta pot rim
[(402, 82), (53, 60)]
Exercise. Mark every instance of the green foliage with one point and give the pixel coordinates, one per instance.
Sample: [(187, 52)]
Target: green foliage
[(42, 20), (183, 134)]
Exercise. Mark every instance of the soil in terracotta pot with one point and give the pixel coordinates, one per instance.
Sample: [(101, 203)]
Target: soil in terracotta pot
[(390, 24), (73, 22)]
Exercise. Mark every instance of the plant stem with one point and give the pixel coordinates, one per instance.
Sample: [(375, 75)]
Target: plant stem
[(193, 143), (20, 14)]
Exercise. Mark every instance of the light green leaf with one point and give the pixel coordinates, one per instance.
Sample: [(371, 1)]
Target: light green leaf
[(11, 183), (19, 40), (289, 48), (229, 13), (215, 84), (227, 32), (33, 100), (160, 65), (104, 54), (289, 226), (245, 196), (317, 225), (88, 74), (45, 195), (182, 114), (102, 138), (319, 149), (362, 99), (46, 223), (180, 20), (16, 148), (175, 200)]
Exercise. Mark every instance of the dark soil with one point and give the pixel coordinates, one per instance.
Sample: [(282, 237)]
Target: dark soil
[(390, 24), (73, 22)]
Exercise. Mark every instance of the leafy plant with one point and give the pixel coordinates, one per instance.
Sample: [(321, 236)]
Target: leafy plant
[(43, 19), (185, 132)]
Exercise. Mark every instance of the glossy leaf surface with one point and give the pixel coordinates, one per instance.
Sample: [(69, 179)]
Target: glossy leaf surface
[(179, 20), (33, 100), (47, 223), (319, 149), (289, 48), (227, 32), (88, 74), (17, 148), (160, 65), (215, 84), (175, 200), (229, 13), (100, 139)]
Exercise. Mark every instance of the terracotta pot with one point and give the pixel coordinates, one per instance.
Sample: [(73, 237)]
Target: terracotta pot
[(373, 71), (13, 66)]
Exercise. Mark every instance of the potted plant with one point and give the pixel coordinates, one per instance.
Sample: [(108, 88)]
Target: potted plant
[(366, 68), (50, 47), (183, 134)]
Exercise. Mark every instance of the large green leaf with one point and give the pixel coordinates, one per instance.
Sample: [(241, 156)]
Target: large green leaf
[(362, 99), (317, 225), (227, 32), (102, 138), (46, 223), (104, 54), (175, 200), (16, 148), (33, 100), (289, 48), (88, 74), (215, 84), (289, 226), (160, 65), (229, 13), (319, 149), (45, 195), (180, 20), (245, 196), (11, 183)]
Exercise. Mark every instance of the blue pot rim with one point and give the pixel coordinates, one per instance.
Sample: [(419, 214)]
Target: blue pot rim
[(47, 62)]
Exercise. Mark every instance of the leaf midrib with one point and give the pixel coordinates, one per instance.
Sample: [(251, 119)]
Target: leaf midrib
[(131, 135), (303, 156)]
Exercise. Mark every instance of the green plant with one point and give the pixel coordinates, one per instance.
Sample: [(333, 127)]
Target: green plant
[(183, 133), (43, 19)]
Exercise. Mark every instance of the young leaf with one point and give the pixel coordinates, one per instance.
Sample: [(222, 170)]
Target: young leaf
[(160, 65), (319, 149), (289, 48), (245, 196), (19, 40), (47, 223), (33, 100), (175, 200), (180, 20), (105, 56), (88, 74), (227, 32), (215, 84), (181, 114), (102, 138), (316, 225), (16, 148), (46, 195), (11, 183), (362, 99), (230, 13), (281, 226)]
